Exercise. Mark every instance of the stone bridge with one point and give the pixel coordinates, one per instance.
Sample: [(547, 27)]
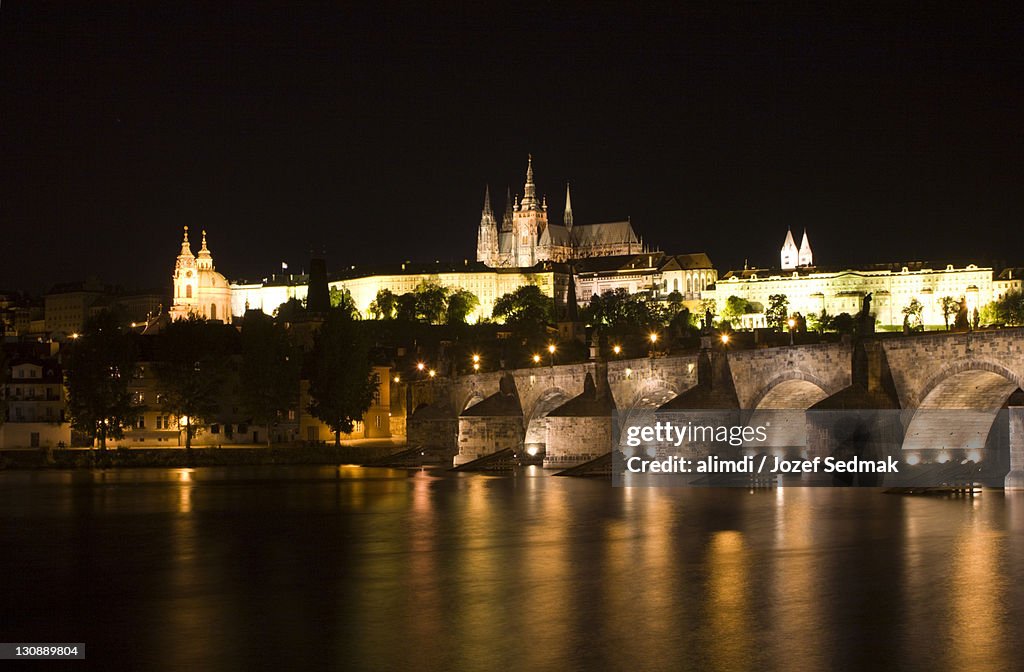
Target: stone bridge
[(947, 387)]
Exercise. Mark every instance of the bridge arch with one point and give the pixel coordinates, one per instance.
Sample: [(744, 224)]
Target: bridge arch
[(535, 421), (791, 389), (956, 414)]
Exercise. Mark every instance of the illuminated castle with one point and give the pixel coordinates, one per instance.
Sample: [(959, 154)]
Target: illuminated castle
[(526, 237), (199, 289)]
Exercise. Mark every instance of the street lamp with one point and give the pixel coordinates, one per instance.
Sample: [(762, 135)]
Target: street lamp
[(792, 323), (432, 373), (551, 353), (725, 339), (420, 366), (617, 349), (536, 358)]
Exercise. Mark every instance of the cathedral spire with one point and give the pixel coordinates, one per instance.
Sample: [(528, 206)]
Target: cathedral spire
[(568, 208), (529, 201), (789, 255), (487, 201), (506, 220)]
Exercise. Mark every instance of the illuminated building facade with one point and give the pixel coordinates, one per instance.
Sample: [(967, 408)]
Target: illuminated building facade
[(812, 289), (198, 288)]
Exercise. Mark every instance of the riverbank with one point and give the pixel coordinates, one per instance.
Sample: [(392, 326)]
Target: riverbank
[(352, 452)]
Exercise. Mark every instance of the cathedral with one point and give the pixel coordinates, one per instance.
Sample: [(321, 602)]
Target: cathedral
[(526, 237), (198, 288)]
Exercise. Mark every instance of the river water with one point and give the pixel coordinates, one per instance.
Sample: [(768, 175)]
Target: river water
[(367, 569)]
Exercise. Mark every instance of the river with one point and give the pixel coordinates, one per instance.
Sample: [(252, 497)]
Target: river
[(368, 569)]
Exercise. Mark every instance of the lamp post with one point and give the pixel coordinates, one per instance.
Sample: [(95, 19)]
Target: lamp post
[(725, 339), (617, 349), (792, 324), (551, 355), (476, 363)]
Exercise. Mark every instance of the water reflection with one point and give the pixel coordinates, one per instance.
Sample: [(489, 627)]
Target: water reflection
[(373, 569)]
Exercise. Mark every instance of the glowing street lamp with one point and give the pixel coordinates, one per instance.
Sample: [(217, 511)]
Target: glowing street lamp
[(551, 354), (398, 379), (432, 373), (536, 358), (725, 339), (476, 366), (617, 349), (420, 366), (476, 359), (792, 324)]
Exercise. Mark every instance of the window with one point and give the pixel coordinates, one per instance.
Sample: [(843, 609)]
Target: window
[(188, 291), (213, 311), (140, 422)]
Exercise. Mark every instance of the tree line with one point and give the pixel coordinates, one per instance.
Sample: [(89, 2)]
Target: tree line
[(200, 365)]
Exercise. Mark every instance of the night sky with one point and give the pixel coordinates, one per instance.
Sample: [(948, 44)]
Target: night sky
[(890, 134)]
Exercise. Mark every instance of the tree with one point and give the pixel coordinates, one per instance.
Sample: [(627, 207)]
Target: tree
[(461, 303), (405, 310), (778, 311), (912, 315), (192, 370), (431, 300), (526, 310), (1008, 310), (821, 323), (342, 298), (736, 307), (844, 323), (384, 306), (98, 368), (341, 385), (291, 310), (269, 373), (949, 306)]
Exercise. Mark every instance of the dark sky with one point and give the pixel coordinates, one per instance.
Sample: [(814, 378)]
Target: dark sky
[(889, 133)]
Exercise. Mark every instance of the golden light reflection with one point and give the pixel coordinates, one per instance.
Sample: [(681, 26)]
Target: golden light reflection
[(728, 600)]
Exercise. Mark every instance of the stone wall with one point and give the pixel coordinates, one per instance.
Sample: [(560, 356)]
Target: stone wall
[(479, 436), (574, 440)]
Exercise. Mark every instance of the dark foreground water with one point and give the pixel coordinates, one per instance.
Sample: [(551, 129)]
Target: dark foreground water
[(355, 569)]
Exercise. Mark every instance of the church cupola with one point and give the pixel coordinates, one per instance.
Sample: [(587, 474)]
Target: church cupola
[(204, 260), (806, 256), (789, 256)]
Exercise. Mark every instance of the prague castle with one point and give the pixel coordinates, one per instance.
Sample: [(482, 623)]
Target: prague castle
[(811, 289), (526, 235)]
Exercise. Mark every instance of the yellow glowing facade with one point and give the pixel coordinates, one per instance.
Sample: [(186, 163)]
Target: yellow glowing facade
[(810, 290), (198, 288), (487, 285)]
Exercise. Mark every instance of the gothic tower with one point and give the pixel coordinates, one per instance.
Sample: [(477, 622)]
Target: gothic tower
[(806, 256), (506, 220), (567, 219), (528, 221), (487, 235), (790, 255)]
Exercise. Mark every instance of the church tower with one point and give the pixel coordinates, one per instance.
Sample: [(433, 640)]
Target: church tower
[(186, 281), (506, 220), (790, 255), (528, 221), (487, 235), (806, 256)]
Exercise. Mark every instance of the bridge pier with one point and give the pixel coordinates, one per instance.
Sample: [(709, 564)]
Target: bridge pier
[(1015, 478)]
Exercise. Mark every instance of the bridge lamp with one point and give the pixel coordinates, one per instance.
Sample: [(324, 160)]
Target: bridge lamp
[(536, 358), (617, 349), (725, 339), (654, 337), (476, 366), (551, 348), (398, 379), (791, 322), (420, 366), (432, 373), (476, 359)]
